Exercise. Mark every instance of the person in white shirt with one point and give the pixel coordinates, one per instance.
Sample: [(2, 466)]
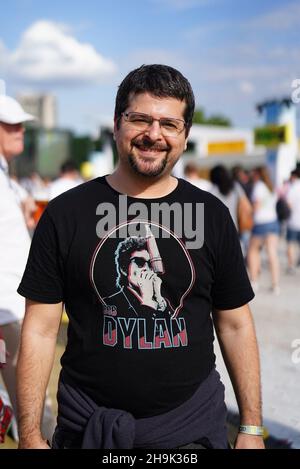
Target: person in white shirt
[(293, 226), (69, 178), (14, 244), (265, 229), (191, 174)]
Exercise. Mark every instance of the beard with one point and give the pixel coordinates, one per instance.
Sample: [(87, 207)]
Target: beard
[(148, 167)]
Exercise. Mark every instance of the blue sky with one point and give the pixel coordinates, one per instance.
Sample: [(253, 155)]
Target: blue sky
[(235, 53)]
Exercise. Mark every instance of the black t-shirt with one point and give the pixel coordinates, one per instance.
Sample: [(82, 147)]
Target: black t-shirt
[(138, 289)]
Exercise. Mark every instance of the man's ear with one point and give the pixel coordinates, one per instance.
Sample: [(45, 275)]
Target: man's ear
[(185, 144)]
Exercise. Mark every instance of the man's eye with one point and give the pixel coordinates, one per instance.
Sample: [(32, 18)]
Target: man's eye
[(169, 124), (139, 119)]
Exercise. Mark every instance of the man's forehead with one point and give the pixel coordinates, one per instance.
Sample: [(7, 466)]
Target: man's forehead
[(141, 96)]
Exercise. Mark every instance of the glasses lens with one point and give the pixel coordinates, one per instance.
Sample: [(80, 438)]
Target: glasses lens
[(171, 127), (139, 261), (140, 121)]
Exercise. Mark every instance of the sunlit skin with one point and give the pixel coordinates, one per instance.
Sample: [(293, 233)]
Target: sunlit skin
[(147, 157), (11, 139)]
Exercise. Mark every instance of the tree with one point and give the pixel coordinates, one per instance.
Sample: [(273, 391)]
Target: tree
[(215, 119), (82, 147), (218, 119), (199, 116)]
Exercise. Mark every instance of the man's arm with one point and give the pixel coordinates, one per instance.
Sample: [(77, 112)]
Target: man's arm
[(237, 338), (36, 356)]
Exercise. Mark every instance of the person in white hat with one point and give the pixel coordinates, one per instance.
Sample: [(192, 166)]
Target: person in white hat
[(14, 243), (11, 112)]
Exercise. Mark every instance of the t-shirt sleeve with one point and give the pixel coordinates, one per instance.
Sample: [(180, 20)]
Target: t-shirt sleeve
[(43, 277), (231, 288)]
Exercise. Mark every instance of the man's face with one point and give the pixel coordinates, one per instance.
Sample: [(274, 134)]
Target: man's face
[(148, 152), (11, 139), (139, 263)]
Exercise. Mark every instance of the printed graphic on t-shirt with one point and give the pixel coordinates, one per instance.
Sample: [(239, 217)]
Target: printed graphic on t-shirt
[(141, 282)]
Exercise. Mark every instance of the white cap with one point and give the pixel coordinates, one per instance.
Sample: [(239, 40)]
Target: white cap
[(11, 112)]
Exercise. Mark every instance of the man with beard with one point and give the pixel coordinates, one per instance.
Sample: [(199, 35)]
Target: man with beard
[(169, 396)]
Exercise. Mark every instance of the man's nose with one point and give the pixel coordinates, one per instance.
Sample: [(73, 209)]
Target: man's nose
[(154, 130)]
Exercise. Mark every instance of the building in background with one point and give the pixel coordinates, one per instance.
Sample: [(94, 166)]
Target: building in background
[(48, 146), (43, 107), (44, 152), (279, 136), (211, 145)]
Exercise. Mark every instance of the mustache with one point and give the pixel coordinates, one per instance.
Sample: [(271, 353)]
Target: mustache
[(146, 143)]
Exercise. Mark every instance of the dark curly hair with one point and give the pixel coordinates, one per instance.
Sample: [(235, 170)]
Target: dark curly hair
[(123, 253), (161, 81)]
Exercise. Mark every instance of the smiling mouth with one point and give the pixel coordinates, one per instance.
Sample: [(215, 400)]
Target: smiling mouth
[(150, 149)]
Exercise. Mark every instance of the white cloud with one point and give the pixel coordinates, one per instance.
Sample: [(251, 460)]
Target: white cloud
[(246, 87), (284, 18), (48, 53)]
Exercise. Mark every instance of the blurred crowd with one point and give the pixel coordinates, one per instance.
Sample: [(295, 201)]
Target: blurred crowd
[(36, 191), (261, 213)]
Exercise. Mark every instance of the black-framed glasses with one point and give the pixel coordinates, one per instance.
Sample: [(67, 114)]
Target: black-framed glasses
[(170, 127), (140, 262)]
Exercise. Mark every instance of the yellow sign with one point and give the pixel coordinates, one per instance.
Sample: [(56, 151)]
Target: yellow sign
[(272, 135), (226, 148)]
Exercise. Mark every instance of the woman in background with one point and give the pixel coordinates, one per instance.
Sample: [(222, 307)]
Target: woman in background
[(228, 191), (265, 230)]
